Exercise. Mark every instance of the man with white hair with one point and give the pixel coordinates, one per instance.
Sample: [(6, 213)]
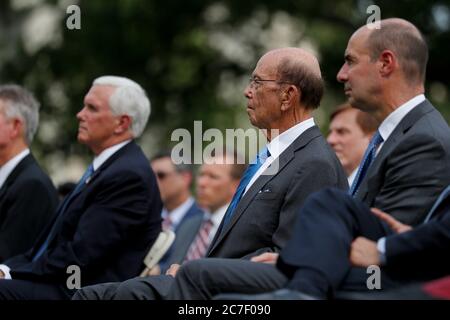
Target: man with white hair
[(27, 195), (103, 229)]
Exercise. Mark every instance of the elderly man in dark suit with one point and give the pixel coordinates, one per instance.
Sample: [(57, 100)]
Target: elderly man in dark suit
[(104, 228), (285, 88), (27, 195)]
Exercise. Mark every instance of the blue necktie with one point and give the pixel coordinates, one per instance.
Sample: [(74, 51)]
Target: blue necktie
[(79, 186), (442, 197), (246, 177), (368, 158)]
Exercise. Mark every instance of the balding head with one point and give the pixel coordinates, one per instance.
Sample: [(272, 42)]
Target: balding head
[(298, 67), (405, 40)]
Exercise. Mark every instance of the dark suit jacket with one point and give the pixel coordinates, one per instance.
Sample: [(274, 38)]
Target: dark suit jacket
[(412, 167), (263, 219), (106, 229), (28, 200), (182, 240), (422, 253), (185, 235)]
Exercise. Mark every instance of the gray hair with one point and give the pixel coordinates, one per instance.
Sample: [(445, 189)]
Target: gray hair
[(20, 103), (129, 98)]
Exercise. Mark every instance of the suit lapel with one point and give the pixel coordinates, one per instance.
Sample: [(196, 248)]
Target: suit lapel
[(25, 162), (100, 169), (373, 177), (58, 217), (262, 180)]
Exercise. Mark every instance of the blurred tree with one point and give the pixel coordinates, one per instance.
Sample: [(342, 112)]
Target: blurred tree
[(193, 58)]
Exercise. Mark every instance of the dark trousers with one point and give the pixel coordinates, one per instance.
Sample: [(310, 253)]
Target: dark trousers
[(31, 290), (316, 258)]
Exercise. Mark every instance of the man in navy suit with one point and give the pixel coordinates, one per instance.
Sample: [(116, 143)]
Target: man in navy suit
[(174, 182), (27, 195), (103, 229)]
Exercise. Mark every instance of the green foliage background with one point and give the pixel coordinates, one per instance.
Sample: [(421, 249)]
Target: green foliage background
[(192, 57)]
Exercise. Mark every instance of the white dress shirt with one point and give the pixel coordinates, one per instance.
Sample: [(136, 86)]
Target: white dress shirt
[(177, 214), (216, 218), (8, 167), (279, 144), (352, 176), (393, 119)]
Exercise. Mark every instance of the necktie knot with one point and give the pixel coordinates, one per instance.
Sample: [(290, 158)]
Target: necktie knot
[(85, 178), (167, 223), (377, 139)]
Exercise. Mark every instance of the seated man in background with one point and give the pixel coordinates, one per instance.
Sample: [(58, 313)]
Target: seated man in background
[(28, 198), (104, 228), (349, 135), (217, 181), (174, 182)]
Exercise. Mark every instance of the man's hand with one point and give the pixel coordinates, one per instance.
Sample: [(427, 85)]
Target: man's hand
[(364, 253), (155, 271), (2, 275), (266, 257), (172, 271), (394, 224)]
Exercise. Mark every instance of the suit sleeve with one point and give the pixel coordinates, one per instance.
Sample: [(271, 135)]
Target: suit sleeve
[(30, 205), (115, 212), (414, 178), (421, 249)]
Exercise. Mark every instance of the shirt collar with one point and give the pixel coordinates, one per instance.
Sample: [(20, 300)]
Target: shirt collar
[(12, 163), (284, 140), (107, 153), (393, 119), (179, 212), (217, 216)]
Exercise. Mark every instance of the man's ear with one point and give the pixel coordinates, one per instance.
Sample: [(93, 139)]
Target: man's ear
[(290, 96), (388, 63), (124, 124), (18, 128)]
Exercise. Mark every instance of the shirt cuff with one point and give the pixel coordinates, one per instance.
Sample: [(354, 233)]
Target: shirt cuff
[(381, 246), (5, 269)]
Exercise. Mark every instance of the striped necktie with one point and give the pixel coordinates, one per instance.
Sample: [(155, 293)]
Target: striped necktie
[(198, 247)]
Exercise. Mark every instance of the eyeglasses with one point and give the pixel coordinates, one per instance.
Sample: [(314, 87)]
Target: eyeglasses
[(256, 82), (162, 175)]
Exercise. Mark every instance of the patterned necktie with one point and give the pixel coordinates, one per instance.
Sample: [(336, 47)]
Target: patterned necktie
[(198, 247), (167, 223), (444, 194), (78, 187), (368, 158), (246, 177)]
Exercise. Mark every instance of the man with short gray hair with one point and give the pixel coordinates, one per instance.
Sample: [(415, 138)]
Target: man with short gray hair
[(27, 195), (103, 229)]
